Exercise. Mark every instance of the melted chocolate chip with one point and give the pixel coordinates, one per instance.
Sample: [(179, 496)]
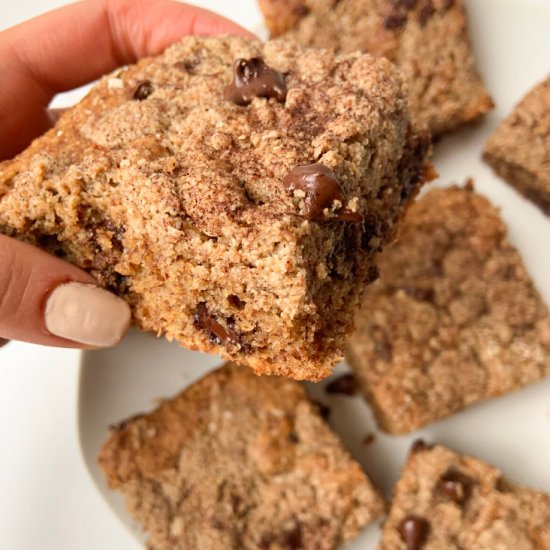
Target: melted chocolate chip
[(253, 78), (289, 540), (419, 294), (324, 410), (3, 342), (236, 302), (301, 10), (345, 384), (420, 445), (407, 4), (448, 4), (502, 485), (218, 333), (321, 189), (368, 439), (187, 66), (382, 347), (143, 90), (394, 21), (414, 531), (426, 12), (456, 486)]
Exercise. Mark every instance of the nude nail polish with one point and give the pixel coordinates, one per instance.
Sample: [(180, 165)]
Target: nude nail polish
[(87, 314)]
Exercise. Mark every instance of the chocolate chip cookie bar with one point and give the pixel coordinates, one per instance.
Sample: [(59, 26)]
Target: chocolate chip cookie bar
[(519, 150), (427, 39), (236, 194), (448, 501), (239, 462), (454, 318)]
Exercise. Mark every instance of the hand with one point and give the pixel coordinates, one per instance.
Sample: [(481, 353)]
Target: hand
[(43, 299)]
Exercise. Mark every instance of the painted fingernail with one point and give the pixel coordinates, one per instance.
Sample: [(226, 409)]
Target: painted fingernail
[(87, 314)]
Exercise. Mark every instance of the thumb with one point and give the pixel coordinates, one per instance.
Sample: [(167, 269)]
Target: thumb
[(47, 301)]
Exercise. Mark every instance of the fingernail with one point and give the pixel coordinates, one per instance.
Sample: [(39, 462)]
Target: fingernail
[(87, 314)]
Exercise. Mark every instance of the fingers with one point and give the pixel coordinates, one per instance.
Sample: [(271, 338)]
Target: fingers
[(76, 44), (47, 301)]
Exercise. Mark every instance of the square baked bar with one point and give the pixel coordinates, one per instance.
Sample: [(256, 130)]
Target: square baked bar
[(519, 150), (454, 318), (239, 462), (446, 501), (234, 193), (427, 39)]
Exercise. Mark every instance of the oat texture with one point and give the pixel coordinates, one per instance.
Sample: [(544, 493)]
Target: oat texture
[(173, 197), (427, 39), (454, 318), (519, 150), (459, 503), (239, 462)]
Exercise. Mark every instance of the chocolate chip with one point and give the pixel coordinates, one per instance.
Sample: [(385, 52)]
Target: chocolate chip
[(253, 78), (289, 540), (426, 12), (321, 189), (448, 4), (324, 410), (456, 486), (414, 531), (502, 485), (219, 334), (407, 4), (412, 165), (143, 90), (395, 21), (383, 348), (236, 302), (301, 10), (368, 439), (420, 445), (3, 342), (419, 294), (345, 384), (187, 66), (217, 523)]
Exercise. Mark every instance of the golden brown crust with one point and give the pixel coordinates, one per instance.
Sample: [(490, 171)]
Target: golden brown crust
[(467, 504), (454, 318), (427, 39), (177, 201), (519, 149), (239, 462)]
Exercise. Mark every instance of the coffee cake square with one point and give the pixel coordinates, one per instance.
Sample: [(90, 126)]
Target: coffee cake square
[(454, 318), (235, 193), (428, 40), (445, 500), (519, 149), (239, 462)]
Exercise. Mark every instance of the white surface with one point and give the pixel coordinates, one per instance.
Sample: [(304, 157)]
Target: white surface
[(48, 500)]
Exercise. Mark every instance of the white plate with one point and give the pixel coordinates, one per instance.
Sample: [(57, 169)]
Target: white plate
[(513, 50)]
